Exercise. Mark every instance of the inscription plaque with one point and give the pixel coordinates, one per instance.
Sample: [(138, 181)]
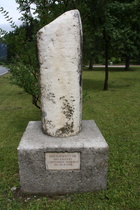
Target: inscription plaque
[(62, 161)]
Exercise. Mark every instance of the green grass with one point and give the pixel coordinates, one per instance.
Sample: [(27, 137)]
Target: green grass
[(116, 113)]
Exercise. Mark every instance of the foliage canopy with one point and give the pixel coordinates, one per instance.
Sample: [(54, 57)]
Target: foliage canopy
[(111, 28)]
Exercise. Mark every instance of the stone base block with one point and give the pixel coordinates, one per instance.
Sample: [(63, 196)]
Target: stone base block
[(73, 164)]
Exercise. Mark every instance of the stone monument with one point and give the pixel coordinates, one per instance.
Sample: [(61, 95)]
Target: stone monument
[(62, 154), (59, 49)]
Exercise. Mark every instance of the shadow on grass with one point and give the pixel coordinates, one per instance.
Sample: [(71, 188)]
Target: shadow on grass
[(90, 84), (114, 69), (97, 85)]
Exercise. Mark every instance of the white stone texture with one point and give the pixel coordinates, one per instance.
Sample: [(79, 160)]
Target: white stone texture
[(59, 53)]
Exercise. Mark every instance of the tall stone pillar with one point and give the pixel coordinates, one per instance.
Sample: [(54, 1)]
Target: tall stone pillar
[(59, 52)]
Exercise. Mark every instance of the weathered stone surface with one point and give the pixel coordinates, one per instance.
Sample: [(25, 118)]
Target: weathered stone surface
[(59, 52), (35, 177)]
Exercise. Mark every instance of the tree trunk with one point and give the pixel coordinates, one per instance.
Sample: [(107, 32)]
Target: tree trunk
[(106, 66), (90, 64), (127, 63), (34, 102)]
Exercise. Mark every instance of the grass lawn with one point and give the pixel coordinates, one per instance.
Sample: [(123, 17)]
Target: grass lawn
[(116, 113)]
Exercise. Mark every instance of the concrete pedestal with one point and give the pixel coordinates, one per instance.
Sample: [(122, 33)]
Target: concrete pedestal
[(52, 165)]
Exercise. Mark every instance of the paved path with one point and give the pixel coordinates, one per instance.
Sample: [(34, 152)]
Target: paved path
[(3, 70), (115, 66)]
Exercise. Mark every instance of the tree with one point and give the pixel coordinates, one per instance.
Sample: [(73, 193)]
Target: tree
[(23, 62), (22, 53), (98, 18), (126, 37), (110, 27), (116, 25)]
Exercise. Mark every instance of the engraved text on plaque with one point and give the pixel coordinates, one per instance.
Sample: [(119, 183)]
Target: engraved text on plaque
[(62, 161)]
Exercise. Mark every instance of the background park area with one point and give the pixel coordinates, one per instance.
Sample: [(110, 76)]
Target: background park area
[(117, 115), (111, 36)]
